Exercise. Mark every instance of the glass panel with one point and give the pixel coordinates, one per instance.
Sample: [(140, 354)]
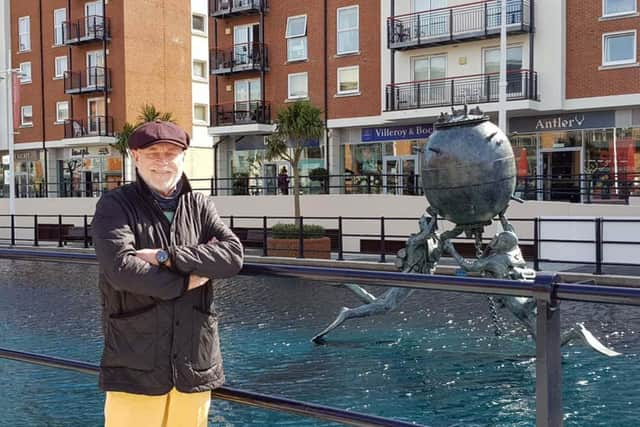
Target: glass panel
[(348, 80), (296, 27), (561, 139), (421, 69), (296, 48), (524, 150), (391, 176), (409, 178), (628, 155), (298, 86), (599, 163), (612, 7), (347, 18), (197, 23), (619, 48)]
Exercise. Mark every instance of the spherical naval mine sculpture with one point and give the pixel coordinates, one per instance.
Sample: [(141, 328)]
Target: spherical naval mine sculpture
[(468, 168)]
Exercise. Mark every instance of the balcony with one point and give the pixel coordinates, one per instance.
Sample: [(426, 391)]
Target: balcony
[(229, 8), (474, 89), (93, 126), (94, 79), (470, 21), (86, 30), (241, 57), (241, 113)]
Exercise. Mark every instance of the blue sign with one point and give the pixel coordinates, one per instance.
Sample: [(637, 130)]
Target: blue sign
[(396, 132)]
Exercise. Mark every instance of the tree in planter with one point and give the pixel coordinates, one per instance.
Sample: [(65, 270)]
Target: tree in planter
[(296, 125), (148, 113)]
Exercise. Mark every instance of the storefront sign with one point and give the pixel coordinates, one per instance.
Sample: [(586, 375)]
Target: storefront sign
[(560, 122), (396, 132), (27, 155)]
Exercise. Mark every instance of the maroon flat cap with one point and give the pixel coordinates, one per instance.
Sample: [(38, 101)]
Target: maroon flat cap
[(154, 132)]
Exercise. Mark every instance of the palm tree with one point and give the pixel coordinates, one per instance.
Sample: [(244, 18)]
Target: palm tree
[(148, 113), (296, 125)]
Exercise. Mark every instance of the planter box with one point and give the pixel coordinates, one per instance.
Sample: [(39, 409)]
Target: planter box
[(313, 248)]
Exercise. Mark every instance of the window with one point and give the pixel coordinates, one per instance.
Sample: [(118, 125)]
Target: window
[(619, 48), (349, 80), (25, 72), (298, 86), (618, 7), (198, 23), (26, 115), (59, 16), (62, 111), (514, 65), (296, 36), (24, 36), (200, 113), (199, 69), (60, 66), (348, 38)]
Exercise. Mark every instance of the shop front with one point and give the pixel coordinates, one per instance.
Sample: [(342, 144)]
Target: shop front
[(251, 173), (89, 171), (28, 173), (576, 157), (385, 160)]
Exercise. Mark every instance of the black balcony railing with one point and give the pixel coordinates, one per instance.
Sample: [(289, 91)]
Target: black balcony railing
[(94, 79), (93, 126), (479, 88), (86, 29), (454, 24), (236, 7), (241, 57), (241, 113)]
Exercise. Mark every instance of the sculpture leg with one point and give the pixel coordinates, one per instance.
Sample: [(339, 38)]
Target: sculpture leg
[(365, 296), (383, 304)]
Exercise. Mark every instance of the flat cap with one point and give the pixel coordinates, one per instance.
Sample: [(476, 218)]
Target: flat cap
[(158, 131)]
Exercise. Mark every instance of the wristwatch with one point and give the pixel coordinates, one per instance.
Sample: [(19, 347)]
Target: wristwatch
[(162, 257)]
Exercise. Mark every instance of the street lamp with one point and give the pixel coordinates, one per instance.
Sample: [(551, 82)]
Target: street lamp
[(7, 75), (502, 84)]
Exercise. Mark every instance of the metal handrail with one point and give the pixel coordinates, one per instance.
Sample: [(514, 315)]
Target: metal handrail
[(234, 395)]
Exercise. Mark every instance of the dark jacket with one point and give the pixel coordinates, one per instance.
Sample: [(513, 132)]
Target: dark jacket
[(157, 335)]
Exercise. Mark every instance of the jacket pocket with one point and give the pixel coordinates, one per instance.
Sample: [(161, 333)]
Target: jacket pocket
[(131, 340), (205, 343)]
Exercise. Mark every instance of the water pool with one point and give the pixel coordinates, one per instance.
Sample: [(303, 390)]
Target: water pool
[(435, 361)]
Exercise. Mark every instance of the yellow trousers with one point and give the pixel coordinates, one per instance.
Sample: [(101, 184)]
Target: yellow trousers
[(174, 409)]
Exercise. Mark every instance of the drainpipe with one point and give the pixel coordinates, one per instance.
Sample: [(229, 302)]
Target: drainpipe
[(44, 122), (531, 38), (393, 51), (106, 72), (326, 89), (69, 59)]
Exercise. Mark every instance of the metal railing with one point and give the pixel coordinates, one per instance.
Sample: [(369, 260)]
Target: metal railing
[(450, 91), (92, 126), (241, 57), (236, 7), (546, 290), (241, 113), (93, 79), (86, 29), (374, 238), (454, 24)]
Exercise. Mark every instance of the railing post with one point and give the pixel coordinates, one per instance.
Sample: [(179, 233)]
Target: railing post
[(451, 24), (548, 364), (13, 230), (340, 249), (598, 245), (211, 186), (231, 222), (485, 18), (264, 236), (35, 230), (86, 231), (452, 92), (301, 238), (59, 231), (383, 248), (536, 244)]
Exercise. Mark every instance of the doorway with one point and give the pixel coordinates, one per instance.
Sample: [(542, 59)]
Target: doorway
[(560, 178), (399, 175), (271, 183)]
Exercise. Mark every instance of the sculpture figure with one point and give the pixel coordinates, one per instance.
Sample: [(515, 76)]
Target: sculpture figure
[(464, 141)]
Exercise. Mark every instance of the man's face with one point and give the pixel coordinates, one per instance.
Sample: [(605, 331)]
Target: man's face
[(160, 165)]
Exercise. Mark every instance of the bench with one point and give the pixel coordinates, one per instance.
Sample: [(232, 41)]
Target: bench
[(76, 234), (51, 232)]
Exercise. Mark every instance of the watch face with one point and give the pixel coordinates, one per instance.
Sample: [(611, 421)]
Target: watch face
[(162, 256)]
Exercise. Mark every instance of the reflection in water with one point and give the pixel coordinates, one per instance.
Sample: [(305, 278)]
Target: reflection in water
[(435, 361)]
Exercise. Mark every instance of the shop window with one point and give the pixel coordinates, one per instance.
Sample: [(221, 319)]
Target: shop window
[(298, 86), (60, 66), (26, 115), (198, 23), (619, 48), (618, 7), (59, 16), (62, 111), (25, 72), (24, 34), (348, 80), (296, 35), (348, 37)]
